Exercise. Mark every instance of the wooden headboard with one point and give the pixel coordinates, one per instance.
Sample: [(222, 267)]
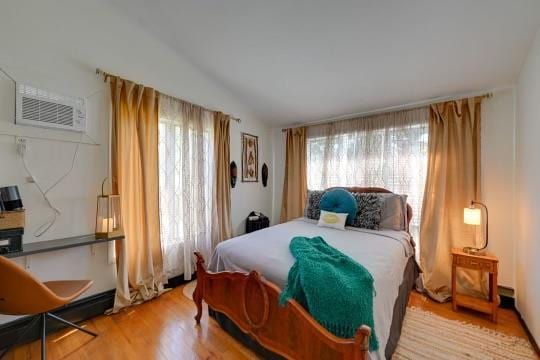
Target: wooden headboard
[(359, 189)]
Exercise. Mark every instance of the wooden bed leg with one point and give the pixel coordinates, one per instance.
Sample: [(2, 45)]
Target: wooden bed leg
[(198, 292), (197, 298)]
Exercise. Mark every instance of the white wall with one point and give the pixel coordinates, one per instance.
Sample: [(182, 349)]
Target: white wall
[(528, 195), (248, 196), (48, 160), (497, 176), (57, 45)]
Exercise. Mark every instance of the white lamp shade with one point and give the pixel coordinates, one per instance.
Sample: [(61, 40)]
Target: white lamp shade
[(472, 216)]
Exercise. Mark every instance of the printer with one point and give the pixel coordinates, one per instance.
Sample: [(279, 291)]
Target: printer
[(11, 220), (11, 240)]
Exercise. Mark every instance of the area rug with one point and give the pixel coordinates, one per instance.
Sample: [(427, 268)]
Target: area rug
[(429, 336), (189, 288)]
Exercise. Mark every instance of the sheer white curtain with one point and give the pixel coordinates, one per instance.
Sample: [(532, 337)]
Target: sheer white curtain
[(387, 150), (185, 183)]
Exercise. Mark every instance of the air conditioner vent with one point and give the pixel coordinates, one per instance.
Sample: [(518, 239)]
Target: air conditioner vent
[(39, 107)]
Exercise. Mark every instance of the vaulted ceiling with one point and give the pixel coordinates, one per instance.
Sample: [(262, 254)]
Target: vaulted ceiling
[(294, 61)]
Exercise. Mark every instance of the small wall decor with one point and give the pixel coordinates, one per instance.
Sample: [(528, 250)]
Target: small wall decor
[(234, 172), (250, 158), (264, 174)]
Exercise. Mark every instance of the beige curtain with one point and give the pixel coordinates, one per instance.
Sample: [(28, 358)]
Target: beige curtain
[(221, 226), (134, 156), (295, 183), (453, 180)]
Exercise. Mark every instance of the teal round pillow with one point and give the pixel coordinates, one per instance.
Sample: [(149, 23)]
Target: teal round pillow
[(339, 201)]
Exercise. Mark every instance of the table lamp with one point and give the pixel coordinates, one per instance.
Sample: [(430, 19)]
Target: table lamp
[(473, 216), (108, 216)]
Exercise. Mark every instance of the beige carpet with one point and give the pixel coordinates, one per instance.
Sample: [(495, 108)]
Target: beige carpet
[(429, 336), (426, 336)]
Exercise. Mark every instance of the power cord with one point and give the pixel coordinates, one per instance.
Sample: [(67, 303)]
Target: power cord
[(42, 229)]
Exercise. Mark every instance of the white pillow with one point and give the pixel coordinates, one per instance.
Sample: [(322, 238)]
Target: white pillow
[(332, 220)]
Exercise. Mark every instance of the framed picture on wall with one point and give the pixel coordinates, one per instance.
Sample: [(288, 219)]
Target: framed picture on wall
[(250, 158)]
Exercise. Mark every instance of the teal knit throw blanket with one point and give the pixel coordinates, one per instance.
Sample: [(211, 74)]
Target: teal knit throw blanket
[(336, 290)]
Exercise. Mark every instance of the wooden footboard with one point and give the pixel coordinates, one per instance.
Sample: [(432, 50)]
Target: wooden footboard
[(251, 303)]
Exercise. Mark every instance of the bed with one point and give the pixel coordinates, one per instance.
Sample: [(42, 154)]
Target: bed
[(242, 283)]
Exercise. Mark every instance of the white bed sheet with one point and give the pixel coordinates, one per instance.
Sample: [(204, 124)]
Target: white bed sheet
[(383, 253)]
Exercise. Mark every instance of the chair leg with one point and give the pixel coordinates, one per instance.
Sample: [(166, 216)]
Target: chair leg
[(71, 324), (28, 327), (42, 318), (43, 336)]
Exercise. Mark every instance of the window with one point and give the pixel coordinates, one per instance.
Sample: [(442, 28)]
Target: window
[(185, 184), (388, 152)]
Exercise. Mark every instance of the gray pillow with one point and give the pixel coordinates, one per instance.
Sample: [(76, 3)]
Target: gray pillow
[(313, 209), (369, 211), (394, 211)]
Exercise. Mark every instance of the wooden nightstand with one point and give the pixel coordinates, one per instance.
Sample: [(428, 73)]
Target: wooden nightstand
[(485, 263)]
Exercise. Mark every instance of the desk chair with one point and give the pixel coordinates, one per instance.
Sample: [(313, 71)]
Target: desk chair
[(23, 294)]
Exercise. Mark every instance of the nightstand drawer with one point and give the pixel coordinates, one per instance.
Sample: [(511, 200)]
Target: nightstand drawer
[(475, 263)]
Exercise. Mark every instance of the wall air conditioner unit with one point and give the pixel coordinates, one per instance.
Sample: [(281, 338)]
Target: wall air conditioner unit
[(38, 107)]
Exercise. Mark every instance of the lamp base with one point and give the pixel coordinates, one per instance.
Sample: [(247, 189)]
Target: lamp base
[(473, 251), (110, 234)]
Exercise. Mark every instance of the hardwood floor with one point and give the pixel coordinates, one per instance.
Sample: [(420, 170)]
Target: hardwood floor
[(164, 329)]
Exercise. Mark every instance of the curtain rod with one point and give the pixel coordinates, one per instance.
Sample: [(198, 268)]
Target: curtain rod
[(105, 75), (380, 111)]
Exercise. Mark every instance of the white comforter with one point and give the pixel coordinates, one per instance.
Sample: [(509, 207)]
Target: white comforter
[(383, 253)]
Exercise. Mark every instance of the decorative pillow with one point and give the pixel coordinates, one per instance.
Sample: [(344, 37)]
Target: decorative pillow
[(369, 211), (313, 210), (332, 220), (394, 211), (340, 201)]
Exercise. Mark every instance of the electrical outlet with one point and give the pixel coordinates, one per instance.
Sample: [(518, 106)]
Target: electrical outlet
[(22, 145)]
